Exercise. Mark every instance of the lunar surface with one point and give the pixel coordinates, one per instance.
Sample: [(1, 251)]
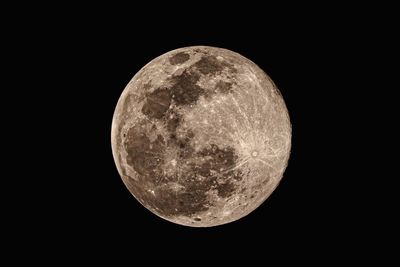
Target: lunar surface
[(201, 136)]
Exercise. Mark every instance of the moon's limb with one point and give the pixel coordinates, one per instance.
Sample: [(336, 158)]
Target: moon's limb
[(201, 136)]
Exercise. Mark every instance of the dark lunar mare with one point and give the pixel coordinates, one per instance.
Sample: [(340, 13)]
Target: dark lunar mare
[(208, 169), (179, 58)]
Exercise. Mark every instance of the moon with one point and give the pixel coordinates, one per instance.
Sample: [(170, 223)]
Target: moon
[(201, 136)]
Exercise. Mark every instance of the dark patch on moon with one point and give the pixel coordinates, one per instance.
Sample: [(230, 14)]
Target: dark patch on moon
[(221, 158), (205, 171), (171, 203), (157, 103), (179, 58), (217, 164), (223, 87), (226, 189), (144, 155), (209, 65), (185, 91)]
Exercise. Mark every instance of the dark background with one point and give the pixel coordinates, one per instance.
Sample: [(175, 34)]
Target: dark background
[(77, 64)]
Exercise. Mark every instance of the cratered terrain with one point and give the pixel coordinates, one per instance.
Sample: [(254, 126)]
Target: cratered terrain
[(201, 136)]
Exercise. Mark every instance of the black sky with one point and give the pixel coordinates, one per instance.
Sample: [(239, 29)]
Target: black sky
[(82, 61)]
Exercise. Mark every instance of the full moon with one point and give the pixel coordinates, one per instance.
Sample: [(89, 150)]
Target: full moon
[(201, 136)]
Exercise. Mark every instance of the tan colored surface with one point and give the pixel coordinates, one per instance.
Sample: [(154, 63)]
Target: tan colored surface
[(252, 118)]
